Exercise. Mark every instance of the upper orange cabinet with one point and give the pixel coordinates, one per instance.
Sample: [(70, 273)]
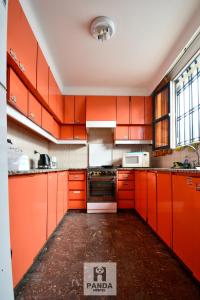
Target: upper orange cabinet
[(69, 109), (21, 44), (47, 120), (42, 76), (148, 110), (74, 110), (17, 92), (123, 110), (55, 98), (79, 114), (101, 108), (34, 110), (137, 110)]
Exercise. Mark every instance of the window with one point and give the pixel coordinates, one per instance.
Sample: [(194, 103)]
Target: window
[(187, 104), (161, 118)]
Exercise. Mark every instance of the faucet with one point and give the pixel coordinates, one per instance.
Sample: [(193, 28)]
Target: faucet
[(197, 153)]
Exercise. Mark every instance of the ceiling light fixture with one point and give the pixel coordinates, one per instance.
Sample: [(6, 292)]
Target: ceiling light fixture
[(102, 28)]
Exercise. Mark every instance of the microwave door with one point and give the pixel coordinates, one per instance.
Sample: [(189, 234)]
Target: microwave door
[(133, 160)]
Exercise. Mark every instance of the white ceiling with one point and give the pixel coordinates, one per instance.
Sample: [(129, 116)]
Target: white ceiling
[(150, 34)]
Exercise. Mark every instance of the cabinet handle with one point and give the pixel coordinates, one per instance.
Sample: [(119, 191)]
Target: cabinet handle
[(189, 180), (13, 54), (22, 68), (76, 176), (76, 192), (125, 136), (77, 137), (13, 99), (32, 115), (198, 187)]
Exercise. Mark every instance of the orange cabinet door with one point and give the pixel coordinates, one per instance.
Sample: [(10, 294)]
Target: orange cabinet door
[(55, 129), (122, 133), (77, 204), (79, 132), (141, 193), (17, 92), (80, 106), (125, 185), (101, 108), (60, 106), (137, 110), (126, 194), (136, 132), (22, 45), (126, 175), (47, 120), (42, 76), (67, 132), (55, 98), (60, 197), (77, 195), (148, 110), (28, 220), (123, 110), (125, 203), (34, 110), (77, 185), (148, 132), (152, 201), (164, 207), (69, 105), (65, 186), (76, 175), (52, 202)]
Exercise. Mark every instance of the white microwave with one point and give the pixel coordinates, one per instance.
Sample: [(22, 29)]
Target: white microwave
[(135, 160)]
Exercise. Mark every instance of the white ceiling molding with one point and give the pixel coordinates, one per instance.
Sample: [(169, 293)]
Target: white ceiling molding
[(35, 25), (101, 91), (185, 39)]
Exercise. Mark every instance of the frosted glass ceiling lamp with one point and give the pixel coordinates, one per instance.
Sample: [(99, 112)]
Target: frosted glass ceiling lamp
[(102, 28)]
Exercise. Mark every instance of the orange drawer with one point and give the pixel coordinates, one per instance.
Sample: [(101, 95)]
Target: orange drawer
[(77, 176), (77, 195), (125, 204), (126, 175), (126, 195), (76, 185), (77, 204), (126, 185)]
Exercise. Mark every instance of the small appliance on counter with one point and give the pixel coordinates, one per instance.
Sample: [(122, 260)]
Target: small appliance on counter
[(17, 160), (53, 162), (136, 160), (44, 161)]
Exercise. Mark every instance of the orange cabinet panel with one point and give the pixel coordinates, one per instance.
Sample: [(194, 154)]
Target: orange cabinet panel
[(141, 193), (52, 202), (80, 110), (126, 194), (79, 132), (137, 110), (126, 185), (34, 110), (55, 98), (17, 93), (60, 196), (123, 110), (126, 175), (67, 132), (47, 120), (78, 204), (125, 204), (76, 195), (76, 175), (55, 129), (152, 202), (137, 132), (95, 109), (122, 133), (69, 105), (164, 207), (66, 200), (148, 132), (21, 45), (148, 110), (76, 185), (42, 76), (28, 220)]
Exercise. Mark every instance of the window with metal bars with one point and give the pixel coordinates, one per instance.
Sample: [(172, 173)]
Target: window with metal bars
[(187, 104)]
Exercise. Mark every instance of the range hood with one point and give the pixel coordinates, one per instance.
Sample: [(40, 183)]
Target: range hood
[(100, 124)]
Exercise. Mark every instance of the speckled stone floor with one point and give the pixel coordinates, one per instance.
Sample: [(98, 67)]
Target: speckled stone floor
[(145, 268)]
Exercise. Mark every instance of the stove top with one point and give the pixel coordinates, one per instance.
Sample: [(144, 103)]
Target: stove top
[(101, 171)]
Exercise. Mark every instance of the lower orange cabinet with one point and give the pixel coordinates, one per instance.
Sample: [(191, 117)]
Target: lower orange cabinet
[(77, 190), (61, 196), (125, 189), (141, 193), (28, 220), (52, 202), (152, 201)]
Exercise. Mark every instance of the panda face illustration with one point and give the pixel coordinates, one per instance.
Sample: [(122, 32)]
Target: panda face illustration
[(100, 270)]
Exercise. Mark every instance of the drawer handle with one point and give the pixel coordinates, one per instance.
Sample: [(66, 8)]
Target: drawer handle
[(76, 192), (76, 176), (77, 137), (22, 68), (13, 54), (198, 187), (32, 115), (189, 180), (13, 99)]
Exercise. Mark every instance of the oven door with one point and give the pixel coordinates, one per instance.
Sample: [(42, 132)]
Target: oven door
[(101, 189)]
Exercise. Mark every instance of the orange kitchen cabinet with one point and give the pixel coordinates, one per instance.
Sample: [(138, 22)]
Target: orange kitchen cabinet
[(21, 43), (34, 110), (17, 93), (164, 207), (148, 110), (47, 120), (101, 108), (28, 220), (137, 110), (56, 103), (67, 132), (126, 175), (69, 106), (186, 222), (125, 185), (141, 193), (79, 132), (75, 175), (77, 189), (42, 76), (55, 129), (60, 196), (66, 196), (77, 195), (52, 202), (126, 194), (122, 133), (147, 131), (125, 204), (77, 204), (125, 189), (76, 185), (80, 110), (123, 110), (152, 201), (136, 132)]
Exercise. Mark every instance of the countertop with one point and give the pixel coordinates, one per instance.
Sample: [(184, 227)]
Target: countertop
[(38, 171), (173, 170)]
